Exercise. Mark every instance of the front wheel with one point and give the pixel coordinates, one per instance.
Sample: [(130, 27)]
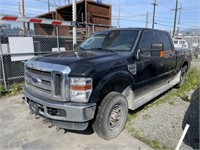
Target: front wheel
[(111, 116), (182, 77)]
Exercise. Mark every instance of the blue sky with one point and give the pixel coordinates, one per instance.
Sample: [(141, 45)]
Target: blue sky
[(132, 12)]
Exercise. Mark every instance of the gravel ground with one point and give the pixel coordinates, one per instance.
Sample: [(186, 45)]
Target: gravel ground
[(195, 63), (164, 122)]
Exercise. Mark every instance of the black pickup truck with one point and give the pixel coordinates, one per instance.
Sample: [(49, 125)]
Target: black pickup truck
[(108, 73)]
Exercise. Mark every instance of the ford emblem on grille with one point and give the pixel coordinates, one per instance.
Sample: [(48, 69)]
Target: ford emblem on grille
[(35, 80)]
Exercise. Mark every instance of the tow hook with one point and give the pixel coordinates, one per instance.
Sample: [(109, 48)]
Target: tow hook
[(51, 125), (58, 129), (45, 120), (37, 116)]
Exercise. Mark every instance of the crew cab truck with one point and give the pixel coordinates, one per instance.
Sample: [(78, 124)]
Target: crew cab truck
[(108, 73)]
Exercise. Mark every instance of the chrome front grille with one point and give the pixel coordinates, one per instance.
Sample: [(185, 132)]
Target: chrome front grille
[(38, 83), (38, 72), (48, 80), (58, 86)]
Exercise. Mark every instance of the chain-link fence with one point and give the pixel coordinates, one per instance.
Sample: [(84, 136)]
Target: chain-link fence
[(21, 41)]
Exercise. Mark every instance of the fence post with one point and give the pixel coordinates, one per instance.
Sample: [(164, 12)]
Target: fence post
[(57, 37), (28, 29), (2, 63), (89, 31), (93, 28)]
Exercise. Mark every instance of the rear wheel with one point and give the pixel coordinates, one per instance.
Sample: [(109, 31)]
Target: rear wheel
[(111, 116), (182, 77)]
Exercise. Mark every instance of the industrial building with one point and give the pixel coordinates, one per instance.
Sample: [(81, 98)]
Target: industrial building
[(91, 16)]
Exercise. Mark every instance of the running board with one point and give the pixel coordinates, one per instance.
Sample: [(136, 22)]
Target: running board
[(146, 98)]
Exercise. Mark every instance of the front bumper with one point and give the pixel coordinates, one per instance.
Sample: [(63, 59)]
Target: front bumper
[(67, 115)]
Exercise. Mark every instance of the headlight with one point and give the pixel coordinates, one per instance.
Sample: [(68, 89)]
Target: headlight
[(80, 89)]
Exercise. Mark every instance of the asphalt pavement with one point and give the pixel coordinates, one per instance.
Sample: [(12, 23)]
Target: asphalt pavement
[(21, 131)]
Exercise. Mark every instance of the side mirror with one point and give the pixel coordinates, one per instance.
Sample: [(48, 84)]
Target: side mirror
[(138, 54), (155, 52), (157, 46), (143, 54)]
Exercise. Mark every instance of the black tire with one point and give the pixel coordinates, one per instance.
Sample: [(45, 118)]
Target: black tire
[(111, 116), (182, 77)]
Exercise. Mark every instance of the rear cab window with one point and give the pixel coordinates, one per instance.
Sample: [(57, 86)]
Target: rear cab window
[(165, 40)]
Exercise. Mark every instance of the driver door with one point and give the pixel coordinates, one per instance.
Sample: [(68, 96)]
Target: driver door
[(150, 69)]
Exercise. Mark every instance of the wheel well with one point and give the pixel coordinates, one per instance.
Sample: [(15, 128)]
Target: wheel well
[(185, 64), (118, 85)]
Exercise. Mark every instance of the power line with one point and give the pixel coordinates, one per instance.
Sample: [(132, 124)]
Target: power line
[(128, 20), (189, 4), (163, 24), (14, 6), (131, 15), (46, 2)]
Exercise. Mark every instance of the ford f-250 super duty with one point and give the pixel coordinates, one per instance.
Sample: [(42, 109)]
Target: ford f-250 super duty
[(108, 73)]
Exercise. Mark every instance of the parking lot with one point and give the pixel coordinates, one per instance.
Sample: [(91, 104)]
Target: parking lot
[(19, 130)]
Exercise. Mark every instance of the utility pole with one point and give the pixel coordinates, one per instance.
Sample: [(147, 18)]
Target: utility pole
[(154, 11), (49, 6), (118, 22), (179, 19), (175, 15), (147, 20), (23, 15), (19, 6)]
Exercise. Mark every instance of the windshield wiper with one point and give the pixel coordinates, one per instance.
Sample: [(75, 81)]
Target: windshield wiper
[(103, 49), (81, 48)]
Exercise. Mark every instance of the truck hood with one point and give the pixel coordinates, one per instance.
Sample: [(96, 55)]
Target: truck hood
[(78, 57), (82, 60)]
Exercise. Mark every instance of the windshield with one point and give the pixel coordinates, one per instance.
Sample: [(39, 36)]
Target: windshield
[(117, 40)]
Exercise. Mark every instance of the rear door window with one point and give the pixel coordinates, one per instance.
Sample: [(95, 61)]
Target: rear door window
[(164, 37)]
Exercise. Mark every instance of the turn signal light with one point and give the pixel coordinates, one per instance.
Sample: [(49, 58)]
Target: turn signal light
[(81, 87), (162, 54)]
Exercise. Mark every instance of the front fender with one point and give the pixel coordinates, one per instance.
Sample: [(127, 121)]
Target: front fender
[(110, 78)]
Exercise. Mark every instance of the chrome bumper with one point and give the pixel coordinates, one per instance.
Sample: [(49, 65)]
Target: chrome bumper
[(73, 112)]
